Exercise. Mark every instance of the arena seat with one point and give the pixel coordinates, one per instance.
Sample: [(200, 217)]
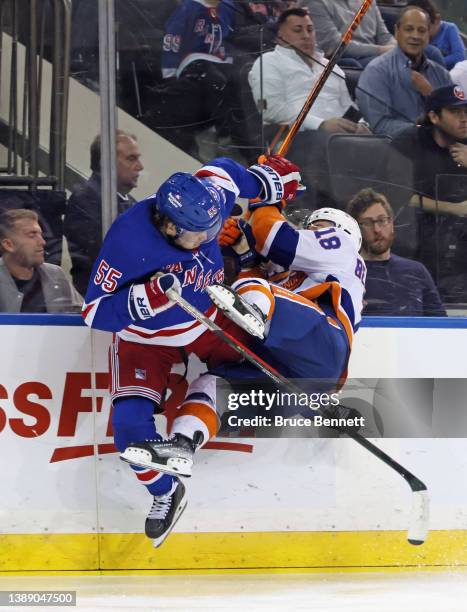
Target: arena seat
[(390, 12), (356, 161)]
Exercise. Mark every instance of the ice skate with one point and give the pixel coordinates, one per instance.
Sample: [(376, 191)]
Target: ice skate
[(248, 317), (165, 512), (173, 456)]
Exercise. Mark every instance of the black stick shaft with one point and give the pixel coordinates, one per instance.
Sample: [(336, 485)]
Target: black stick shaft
[(414, 483)]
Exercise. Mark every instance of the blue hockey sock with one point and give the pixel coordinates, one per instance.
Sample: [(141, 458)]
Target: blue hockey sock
[(133, 421)]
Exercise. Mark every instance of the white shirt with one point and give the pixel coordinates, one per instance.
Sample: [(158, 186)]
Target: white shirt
[(287, 81)]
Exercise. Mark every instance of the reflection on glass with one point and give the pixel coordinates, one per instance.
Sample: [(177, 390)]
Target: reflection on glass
[(35, 81), (206, 76)]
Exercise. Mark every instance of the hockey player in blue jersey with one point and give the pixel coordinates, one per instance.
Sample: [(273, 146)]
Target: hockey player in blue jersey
[(305, 319), (168, 241)]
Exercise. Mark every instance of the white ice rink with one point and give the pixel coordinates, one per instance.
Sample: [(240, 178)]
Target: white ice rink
[(407, 591)]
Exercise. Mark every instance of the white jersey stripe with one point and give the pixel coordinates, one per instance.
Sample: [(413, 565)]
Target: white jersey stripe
[(220, 177)]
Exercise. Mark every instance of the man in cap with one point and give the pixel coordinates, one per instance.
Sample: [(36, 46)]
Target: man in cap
[(437, 173), (438, 146)]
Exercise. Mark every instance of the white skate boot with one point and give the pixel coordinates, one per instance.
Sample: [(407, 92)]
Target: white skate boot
[(172, 456), (248, 317)]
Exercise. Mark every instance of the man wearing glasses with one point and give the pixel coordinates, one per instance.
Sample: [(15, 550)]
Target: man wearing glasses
[(395, 286)]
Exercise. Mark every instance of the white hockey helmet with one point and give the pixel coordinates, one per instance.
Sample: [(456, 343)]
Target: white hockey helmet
[(340, 219)]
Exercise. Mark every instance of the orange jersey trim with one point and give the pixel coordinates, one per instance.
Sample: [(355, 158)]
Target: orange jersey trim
[(280, 276), (313, 293), (295, 297), (295, 280), (264, 291)]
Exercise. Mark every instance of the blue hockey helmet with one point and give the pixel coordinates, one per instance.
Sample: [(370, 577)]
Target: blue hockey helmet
[(193, 204)]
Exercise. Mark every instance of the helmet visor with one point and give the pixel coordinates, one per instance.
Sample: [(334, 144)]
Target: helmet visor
[(187, 239)]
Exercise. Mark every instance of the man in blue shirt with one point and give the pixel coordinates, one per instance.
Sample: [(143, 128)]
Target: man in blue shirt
[(392, 89), (444, 35), (395, 286)]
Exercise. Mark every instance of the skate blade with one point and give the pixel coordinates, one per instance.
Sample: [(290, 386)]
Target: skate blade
[(224, 300), (181, 508), (176, 467)]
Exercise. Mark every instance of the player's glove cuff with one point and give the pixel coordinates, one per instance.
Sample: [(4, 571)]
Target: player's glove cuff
[(252, 206), (239, 237), (149, 299), (272, 186)]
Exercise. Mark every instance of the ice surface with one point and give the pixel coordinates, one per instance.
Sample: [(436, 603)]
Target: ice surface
[(406, 591)]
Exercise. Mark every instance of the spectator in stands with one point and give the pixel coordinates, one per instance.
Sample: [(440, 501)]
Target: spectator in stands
[(196, 69), (83, 216), (392, 89), (438, 146), (332, 18), (395, 286), (431, 160), (443, 34), (286, 76), (196, 30), (255, 26), (27, 284)]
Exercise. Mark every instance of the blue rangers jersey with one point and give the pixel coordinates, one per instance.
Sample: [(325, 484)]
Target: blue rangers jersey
[(134, 250), (321, 265), (195, 31)]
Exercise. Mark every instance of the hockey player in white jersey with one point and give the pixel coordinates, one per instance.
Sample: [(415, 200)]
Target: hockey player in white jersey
[(318, 268)]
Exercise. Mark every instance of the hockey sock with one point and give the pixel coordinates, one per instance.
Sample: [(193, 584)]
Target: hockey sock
[(133, 421), (198, 411)]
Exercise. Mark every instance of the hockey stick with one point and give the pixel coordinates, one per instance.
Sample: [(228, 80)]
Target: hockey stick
[(318, 86), (420, 513), (230, 340), (418, 526)]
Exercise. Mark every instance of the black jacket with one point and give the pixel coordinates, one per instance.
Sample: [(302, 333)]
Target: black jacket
[(83, 228)]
